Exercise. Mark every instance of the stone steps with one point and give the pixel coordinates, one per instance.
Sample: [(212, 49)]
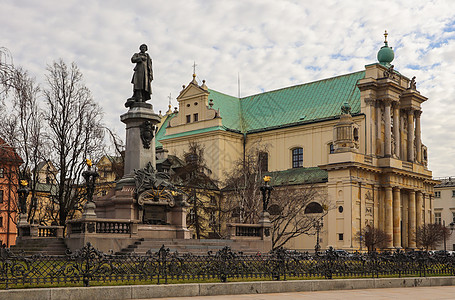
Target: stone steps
[(44, 246), (193, 246)]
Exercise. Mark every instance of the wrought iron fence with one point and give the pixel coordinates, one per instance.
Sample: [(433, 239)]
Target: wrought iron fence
[(89, 266)]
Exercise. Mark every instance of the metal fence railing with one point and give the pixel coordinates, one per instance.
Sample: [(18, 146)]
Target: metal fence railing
[(90, 266)]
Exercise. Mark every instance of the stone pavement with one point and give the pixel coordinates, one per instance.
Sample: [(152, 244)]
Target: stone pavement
[(414, 293)]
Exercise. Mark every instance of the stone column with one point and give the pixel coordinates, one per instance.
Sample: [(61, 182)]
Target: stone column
[(396, 128), (419, 210), (371, 128), (412, 219), (387, 130), (410, 135), (375, 206), (378, 127), (418, 136), (388, 215), (396, 217)]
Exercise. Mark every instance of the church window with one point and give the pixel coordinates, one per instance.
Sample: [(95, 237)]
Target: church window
[(195, 117), (274, 210), (313, 208), (437, 194), (263, 161), (297, 157), (356, 134), (331, 148), (437, 218), (188, 118)]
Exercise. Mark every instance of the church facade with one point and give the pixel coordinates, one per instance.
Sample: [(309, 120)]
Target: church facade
[(359, 132)]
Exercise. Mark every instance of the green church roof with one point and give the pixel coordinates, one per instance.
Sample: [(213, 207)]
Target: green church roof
[(301, 103), (298, 176), (310, 102)]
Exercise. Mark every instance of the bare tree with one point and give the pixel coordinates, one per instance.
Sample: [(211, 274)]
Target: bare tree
[(429, 236), (22, 125), (194, 178), (288, 203), (75, 132), (373, 238), (242, 185), (292, 216)]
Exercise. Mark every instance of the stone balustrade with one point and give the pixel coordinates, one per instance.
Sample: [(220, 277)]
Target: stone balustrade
[(102, 226), (40, 231)]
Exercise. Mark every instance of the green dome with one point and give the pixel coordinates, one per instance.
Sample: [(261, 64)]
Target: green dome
[(385, 55)]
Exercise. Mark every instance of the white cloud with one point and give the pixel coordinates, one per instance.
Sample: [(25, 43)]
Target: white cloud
[(272, 44)]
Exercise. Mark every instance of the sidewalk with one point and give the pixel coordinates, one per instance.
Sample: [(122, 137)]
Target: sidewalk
[(414, 293)]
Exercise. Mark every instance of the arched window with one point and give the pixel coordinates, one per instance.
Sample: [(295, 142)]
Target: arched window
[(313, 208), (297, 157), (274, 210)]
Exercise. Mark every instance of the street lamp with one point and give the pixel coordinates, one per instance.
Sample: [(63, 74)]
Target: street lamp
[(318, 224), (90, 178), (23, 194), (266, 190)]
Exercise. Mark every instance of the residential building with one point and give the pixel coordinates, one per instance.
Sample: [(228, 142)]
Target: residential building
[(444, 208), (9, 170)]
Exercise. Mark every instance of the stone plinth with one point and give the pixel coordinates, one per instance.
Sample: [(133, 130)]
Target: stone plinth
[(138, 153)]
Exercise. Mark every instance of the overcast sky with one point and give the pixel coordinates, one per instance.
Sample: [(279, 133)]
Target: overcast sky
[(270, 43)]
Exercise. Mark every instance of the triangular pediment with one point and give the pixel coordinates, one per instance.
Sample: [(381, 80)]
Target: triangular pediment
[(191, 91)]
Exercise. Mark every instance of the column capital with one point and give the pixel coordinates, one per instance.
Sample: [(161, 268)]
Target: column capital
[(418, 113), (370, 101)]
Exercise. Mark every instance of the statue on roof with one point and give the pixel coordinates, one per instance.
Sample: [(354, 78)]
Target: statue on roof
[(412, 83), (142, 77)]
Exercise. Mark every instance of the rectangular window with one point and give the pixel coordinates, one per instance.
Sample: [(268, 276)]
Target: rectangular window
[(340, 236), (1, 225), (453, 217), (264, 161), (453, 193), (297, 158), (195, 117), (188, 118), (437, 217), (2, 172), (437, 194), (1, 196)]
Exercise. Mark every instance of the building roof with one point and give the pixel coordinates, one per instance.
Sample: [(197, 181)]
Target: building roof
[(446, 182), (8, 154), (299, 104), (298, 176)]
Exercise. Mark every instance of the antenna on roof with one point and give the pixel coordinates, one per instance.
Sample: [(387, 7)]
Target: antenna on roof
[(238, 84)]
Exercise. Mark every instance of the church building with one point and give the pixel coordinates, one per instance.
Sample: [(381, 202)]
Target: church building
[(359, 133)]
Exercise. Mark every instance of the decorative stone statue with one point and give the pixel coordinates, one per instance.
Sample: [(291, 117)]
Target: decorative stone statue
[(412, 83), (142, 77)]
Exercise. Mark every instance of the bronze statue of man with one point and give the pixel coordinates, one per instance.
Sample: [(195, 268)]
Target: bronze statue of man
[(142, 77)]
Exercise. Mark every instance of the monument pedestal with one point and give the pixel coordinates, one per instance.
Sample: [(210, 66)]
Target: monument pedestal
[(140, 123)]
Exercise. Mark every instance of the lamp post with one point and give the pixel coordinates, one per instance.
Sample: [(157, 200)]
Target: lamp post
[(90, 178), (266, 190), (318, 224)]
